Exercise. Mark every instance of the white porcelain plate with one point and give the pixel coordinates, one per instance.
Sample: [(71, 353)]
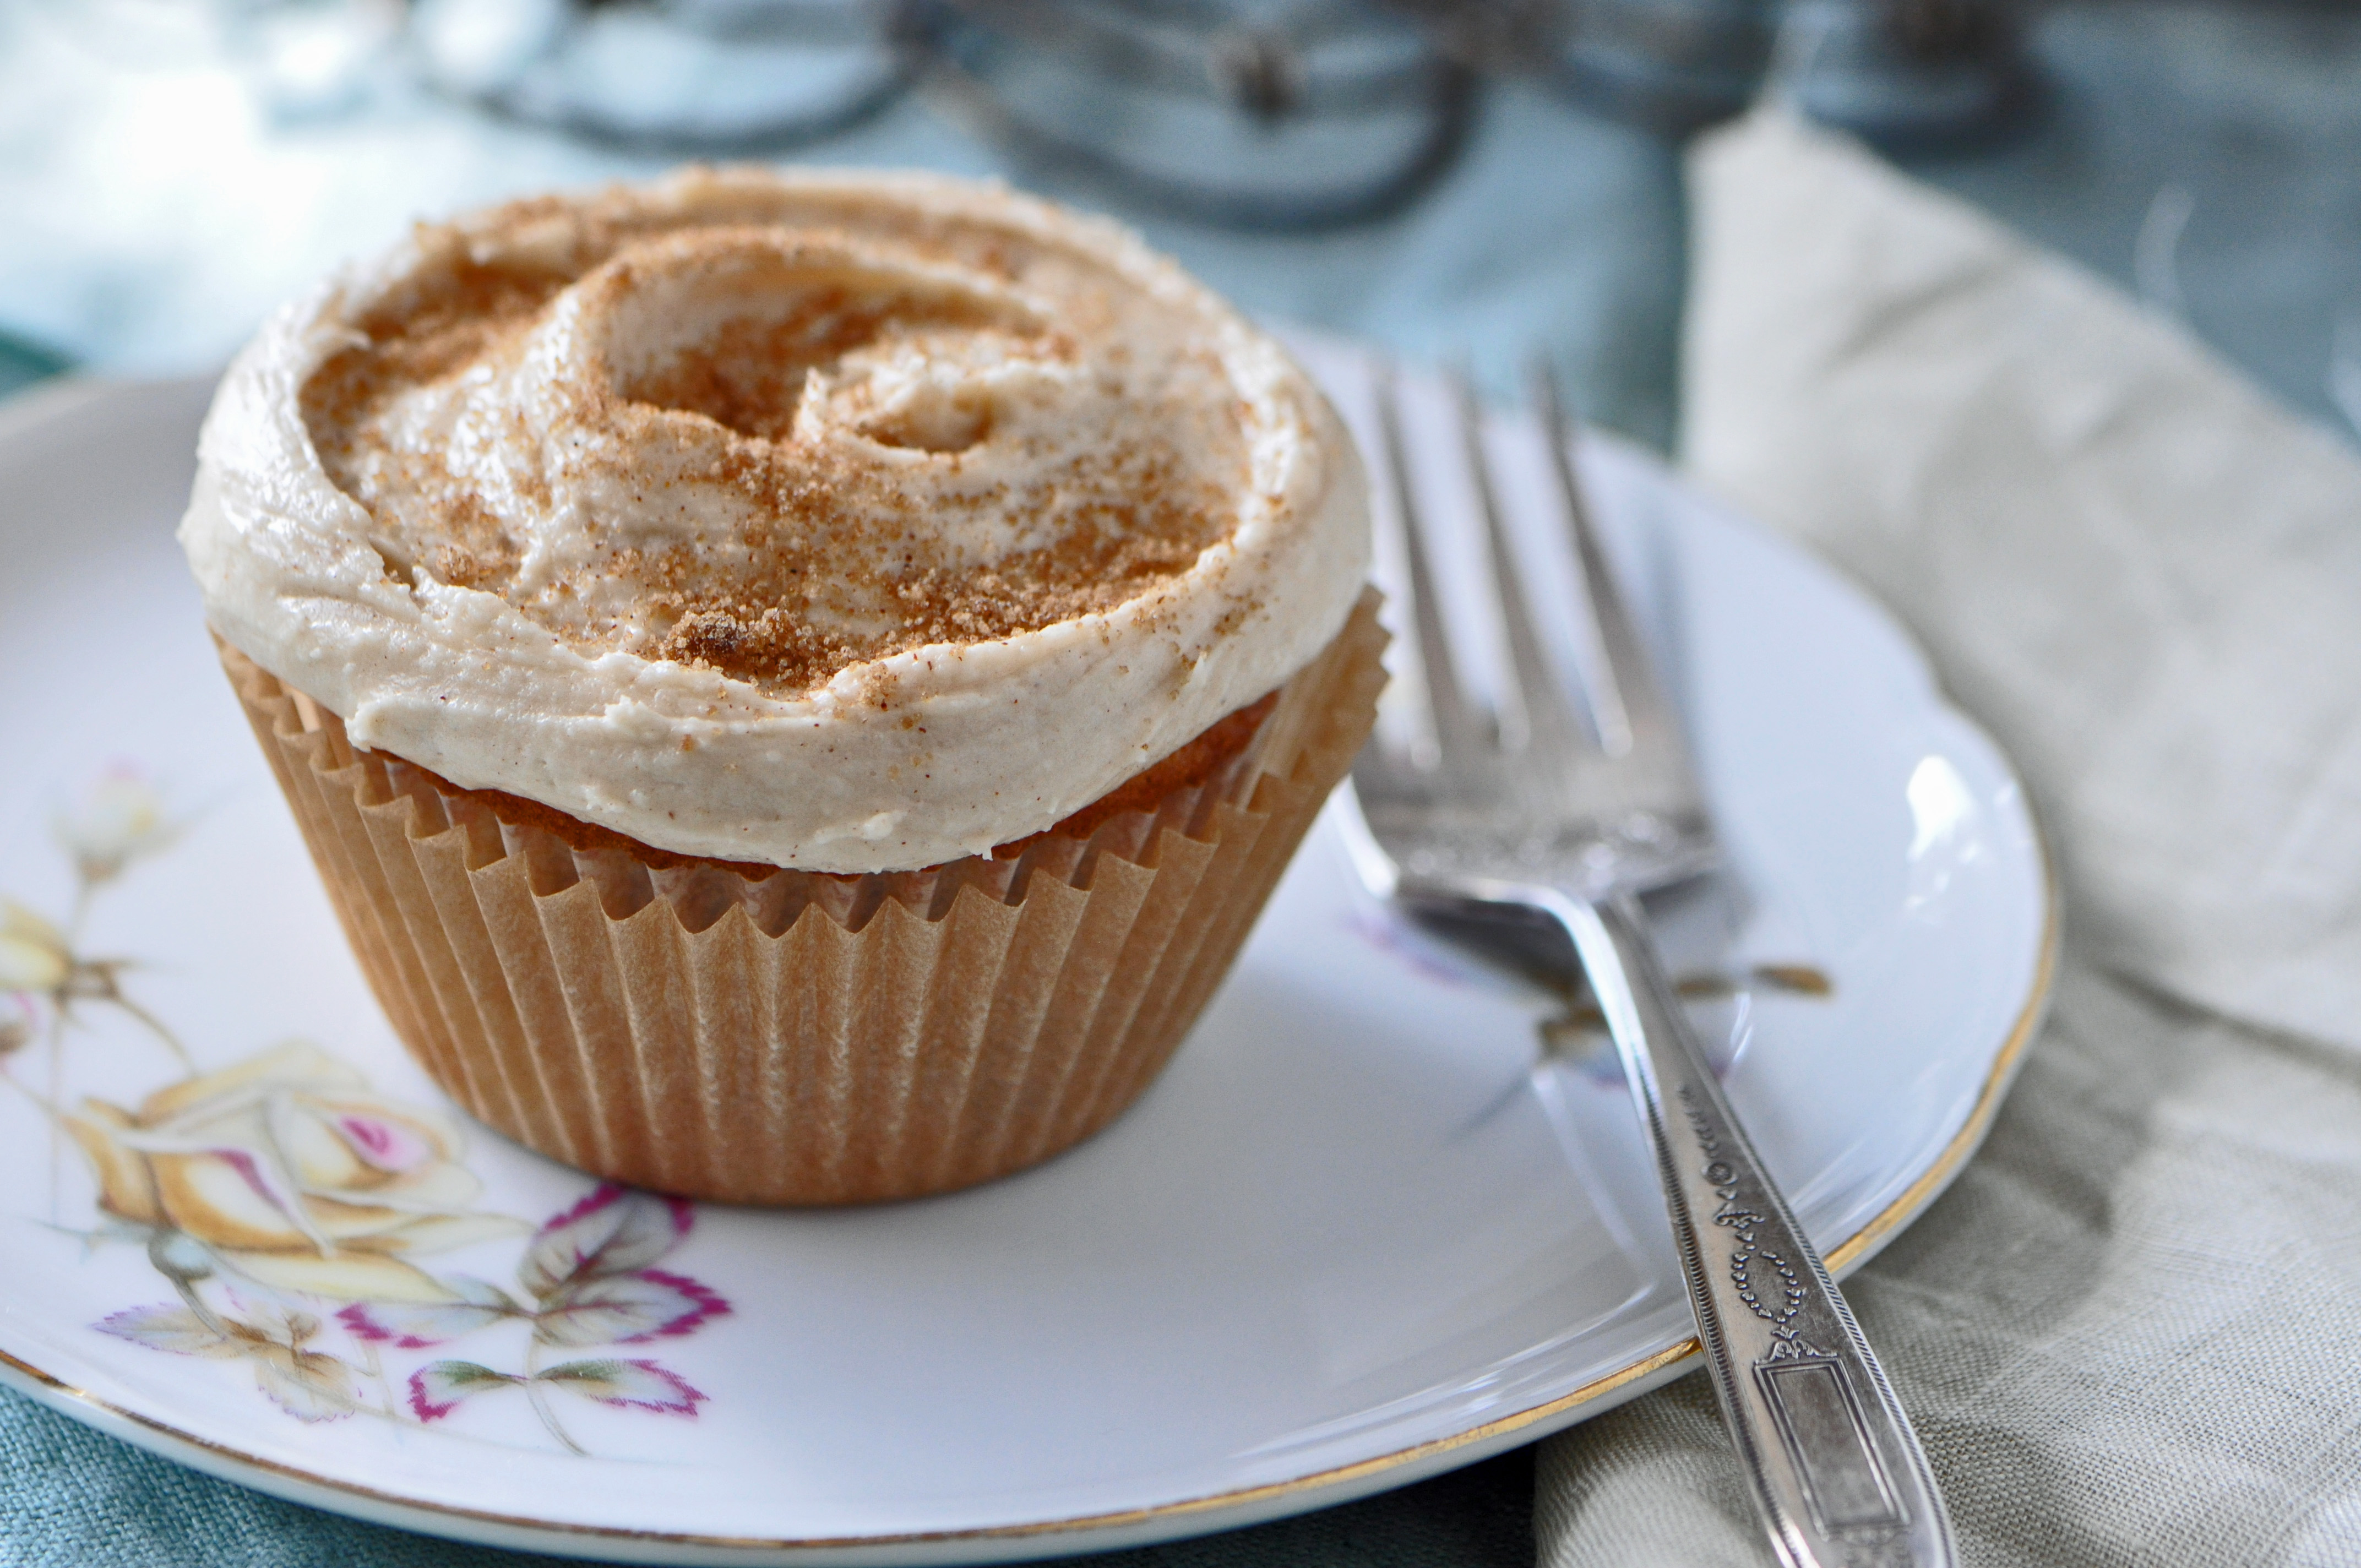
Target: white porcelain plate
[(1362, 1231)]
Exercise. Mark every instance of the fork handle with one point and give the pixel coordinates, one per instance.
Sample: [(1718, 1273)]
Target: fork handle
[(1839, 1478)]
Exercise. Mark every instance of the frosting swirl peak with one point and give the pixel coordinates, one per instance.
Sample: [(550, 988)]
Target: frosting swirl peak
[(847, 522)]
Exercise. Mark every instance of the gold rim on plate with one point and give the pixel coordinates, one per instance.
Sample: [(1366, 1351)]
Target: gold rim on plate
[(1854, 1249)]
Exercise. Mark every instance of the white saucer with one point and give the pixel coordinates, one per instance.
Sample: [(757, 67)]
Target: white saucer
[(1360, 1231)]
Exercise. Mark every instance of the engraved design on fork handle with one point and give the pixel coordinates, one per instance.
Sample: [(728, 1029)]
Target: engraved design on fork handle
[(1836, 1471)]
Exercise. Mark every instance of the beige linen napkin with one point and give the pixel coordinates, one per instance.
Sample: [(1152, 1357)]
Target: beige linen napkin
[(2132, 1332)]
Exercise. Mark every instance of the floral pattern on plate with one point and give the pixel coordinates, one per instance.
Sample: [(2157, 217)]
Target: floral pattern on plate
[(290, 1206)]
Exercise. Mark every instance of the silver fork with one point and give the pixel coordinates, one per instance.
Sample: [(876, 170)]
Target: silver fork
[(1526, 809)]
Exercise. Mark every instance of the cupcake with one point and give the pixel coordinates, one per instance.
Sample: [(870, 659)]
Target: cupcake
[(797, 685)]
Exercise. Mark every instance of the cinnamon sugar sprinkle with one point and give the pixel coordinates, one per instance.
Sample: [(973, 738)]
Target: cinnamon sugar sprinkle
[(773, 452)]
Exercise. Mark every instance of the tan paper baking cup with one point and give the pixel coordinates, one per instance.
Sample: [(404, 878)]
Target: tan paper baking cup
[(792, 1036)]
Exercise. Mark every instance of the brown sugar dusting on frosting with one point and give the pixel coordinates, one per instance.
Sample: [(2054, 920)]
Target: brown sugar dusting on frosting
[(781, 445), (773, 623)]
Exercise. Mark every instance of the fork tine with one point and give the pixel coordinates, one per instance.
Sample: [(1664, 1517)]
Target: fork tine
[(1455, 730), (1625, 702), (1538, 720)]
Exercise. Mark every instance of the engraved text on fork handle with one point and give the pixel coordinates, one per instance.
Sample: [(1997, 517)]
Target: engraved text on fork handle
[(1835, 1468)]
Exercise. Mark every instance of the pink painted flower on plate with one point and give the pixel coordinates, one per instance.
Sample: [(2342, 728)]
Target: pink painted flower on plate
[(294, 1175)]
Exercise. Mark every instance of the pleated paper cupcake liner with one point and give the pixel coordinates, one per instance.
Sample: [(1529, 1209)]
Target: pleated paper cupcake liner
[(754, 1036)]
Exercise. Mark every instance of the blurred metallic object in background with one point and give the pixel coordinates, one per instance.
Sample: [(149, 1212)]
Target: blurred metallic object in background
[(1288, 116), (1255, 115), (1667, 65), (1906, 73), (684, 77)]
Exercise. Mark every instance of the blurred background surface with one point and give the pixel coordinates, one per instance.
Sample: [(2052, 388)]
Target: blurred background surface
[(1447, 177)]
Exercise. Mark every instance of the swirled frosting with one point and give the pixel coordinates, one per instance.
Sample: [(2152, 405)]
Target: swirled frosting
[(851, 522)]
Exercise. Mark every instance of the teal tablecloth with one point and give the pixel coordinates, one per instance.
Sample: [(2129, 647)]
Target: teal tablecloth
[(1555, 231)]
